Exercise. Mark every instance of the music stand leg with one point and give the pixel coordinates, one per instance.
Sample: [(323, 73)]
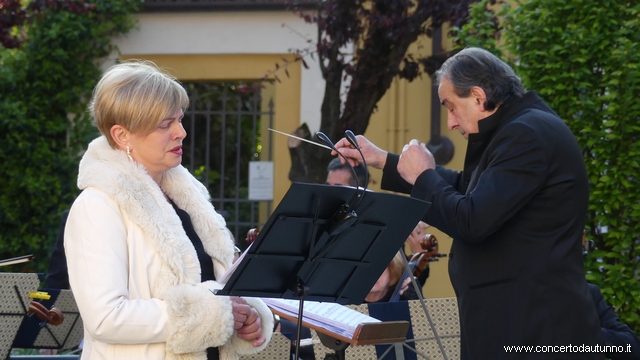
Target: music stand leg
[(426, 311), (338, 345), (399, 350), (299, 289)]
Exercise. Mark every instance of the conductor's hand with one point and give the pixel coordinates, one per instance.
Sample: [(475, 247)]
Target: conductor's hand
[(414, 160), (374, 156), (247, 322)]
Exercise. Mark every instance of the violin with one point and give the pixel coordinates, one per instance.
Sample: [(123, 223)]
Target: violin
[(252, 235), (53, 316), (429, 253), (587, 245)]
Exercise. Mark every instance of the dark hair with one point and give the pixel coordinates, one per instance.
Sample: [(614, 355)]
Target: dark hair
[(478, 67), (361, 172)]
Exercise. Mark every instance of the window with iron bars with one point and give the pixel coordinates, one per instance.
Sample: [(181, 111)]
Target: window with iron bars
[(223, 125)]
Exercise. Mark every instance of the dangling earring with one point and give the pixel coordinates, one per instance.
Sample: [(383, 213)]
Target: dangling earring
[(129, 153)]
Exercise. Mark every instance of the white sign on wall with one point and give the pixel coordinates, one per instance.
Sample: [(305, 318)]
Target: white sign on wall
[(261, 180)]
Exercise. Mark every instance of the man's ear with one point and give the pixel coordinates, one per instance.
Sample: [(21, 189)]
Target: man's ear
[(480, 96), (120, 135)]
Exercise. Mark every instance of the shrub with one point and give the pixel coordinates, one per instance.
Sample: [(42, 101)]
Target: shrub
[(44, 88)]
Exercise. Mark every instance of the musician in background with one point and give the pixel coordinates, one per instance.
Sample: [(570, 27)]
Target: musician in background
[(341, 174), (614, 331), (387, 287), (415, 241), (57, 274)]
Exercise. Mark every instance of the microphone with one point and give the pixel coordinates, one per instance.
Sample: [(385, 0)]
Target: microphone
[(323, 138), (352, 140), (345, 217)]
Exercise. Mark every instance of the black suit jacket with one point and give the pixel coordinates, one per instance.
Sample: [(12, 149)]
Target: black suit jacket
[(516, 214)]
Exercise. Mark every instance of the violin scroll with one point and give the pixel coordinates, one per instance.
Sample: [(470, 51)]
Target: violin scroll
[(252, 235), (429, 245), (53, 316)]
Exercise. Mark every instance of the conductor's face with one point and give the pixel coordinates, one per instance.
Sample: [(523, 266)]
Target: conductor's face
[(463, 113)]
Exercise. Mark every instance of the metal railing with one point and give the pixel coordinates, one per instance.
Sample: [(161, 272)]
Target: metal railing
[(44, 357), (223, 126), (198, 5)]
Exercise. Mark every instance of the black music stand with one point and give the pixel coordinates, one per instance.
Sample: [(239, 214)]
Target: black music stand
[(14, 304), (295, 257)]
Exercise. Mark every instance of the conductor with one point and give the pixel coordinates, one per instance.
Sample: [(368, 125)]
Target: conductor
[(516, 214)]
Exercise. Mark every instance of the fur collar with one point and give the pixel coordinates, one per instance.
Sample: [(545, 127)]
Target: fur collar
[(130, 186)]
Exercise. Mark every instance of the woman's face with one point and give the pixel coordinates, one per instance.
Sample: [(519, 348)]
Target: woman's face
[(161, 149)]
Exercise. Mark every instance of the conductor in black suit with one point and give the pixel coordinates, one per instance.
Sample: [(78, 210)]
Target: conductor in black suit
[(516, 214)]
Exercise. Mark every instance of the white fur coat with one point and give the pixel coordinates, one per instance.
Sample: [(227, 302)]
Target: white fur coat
[(134, 272)]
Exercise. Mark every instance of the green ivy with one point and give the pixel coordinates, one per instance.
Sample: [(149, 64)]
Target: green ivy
[(44, 89), (483, 28), (583, 58)]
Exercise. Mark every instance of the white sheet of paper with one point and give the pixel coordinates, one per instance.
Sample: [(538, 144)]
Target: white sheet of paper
[(334, 317), (225, 277), (261, 180)]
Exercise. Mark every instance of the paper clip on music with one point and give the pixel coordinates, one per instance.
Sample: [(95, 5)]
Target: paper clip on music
[(39, 295)]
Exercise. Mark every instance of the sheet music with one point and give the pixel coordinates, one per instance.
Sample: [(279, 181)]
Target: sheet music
[(225, 277), (333, 317)]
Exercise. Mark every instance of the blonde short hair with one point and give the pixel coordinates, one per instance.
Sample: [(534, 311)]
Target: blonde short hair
[(136, 95), (396, 268)]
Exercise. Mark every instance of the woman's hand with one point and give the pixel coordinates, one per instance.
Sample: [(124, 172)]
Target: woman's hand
[(247, 322)]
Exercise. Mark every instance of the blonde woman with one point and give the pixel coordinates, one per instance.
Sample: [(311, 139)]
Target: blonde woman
[(144, 244)]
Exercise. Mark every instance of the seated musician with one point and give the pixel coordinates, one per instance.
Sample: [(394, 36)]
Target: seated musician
[(416, 241), (614, 332), (387, 284)]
